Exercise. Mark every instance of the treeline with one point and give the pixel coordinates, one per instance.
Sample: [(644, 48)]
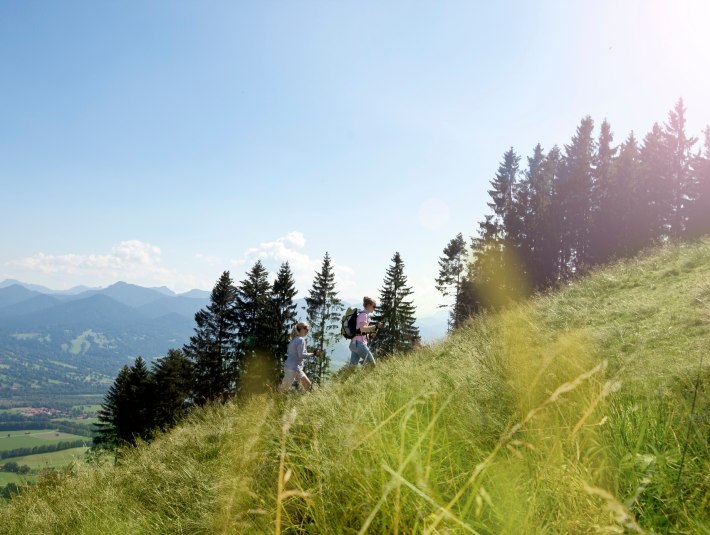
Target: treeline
[(74, 404), (15, 468), (74, 428), (62, 427), (26, 423), (575, 207), (239, 345), (46, 448)]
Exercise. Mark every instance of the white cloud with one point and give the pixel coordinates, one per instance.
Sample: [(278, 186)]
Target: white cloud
[(296, 238), (131, 261), (290, 248), (283, 249), (138, 262), (209, 259)]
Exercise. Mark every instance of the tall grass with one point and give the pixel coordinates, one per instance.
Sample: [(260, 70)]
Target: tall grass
[(580, 412)]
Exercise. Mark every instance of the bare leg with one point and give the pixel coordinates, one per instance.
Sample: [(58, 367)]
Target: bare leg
[(306, 382)]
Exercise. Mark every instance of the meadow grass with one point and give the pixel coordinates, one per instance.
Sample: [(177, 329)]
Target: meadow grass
[(583, 411)]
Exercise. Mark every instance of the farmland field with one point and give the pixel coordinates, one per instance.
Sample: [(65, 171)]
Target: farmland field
[(40, 425), (10, 440), (54, 459), (8, 477)]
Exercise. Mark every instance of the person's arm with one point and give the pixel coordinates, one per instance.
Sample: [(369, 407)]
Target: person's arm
[(363, 319), (302, 349), (371, 328)]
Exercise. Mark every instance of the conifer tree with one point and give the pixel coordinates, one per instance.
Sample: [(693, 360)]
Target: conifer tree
[(630, 200), (254, 313), (212, 351), (486, 263), (540, 244), (113, 419), (324, 310), (522, 207), (576, 207), (284, 309), (496, 271), (532, 205), (452, 269), (679, 147), (606, 214), (547, 207), (502, 190), (126, 414), (172, 376), (657, 188), (699, 209), (398, 333)]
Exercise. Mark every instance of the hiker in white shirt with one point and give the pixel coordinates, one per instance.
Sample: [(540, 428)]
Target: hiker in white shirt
[(295, 355)]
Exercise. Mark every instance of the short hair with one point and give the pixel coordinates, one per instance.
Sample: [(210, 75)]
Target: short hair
[(368, 301)]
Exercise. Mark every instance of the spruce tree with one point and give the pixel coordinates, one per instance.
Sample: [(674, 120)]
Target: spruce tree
[(452, 269), (254, 313), (126, 415), (699, 209), (678, 148), (534, 203), (502, 191), (575, 190), (496, 271), (172, 376), (630, 200), (522, 207), (324, 310), (398, 333), (547, 207), (213, 351), (284, 310), (606, 214), (113, 420), (657, 186)]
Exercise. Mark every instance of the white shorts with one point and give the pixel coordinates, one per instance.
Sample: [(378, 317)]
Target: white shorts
[(292, 375)]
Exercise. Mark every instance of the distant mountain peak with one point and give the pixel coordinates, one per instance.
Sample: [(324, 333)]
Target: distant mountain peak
[(43, 289), (117, 290), (164, 290), (33, 287), (121, 284)]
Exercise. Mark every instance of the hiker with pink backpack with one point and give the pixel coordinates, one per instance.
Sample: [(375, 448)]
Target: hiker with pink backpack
[(357, 328)]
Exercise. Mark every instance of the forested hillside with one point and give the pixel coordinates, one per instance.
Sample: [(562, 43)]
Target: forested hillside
[(564, 210)]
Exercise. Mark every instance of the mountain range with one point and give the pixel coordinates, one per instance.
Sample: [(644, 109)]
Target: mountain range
[(77, 340)]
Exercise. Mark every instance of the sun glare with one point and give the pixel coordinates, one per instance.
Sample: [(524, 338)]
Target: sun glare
[(681, 29)]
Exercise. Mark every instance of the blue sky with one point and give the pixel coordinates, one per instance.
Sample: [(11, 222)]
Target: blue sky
[(161, 143)]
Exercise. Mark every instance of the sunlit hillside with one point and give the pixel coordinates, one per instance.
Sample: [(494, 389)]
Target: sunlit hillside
[(584, 411)]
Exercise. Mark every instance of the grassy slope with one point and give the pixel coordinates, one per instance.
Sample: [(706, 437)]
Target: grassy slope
[(574, 413)]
